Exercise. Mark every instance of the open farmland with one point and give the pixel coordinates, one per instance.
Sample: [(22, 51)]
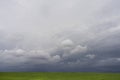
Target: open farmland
[(58, 76)]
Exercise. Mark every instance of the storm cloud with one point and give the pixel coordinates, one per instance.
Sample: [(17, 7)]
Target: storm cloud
[(60, 35)]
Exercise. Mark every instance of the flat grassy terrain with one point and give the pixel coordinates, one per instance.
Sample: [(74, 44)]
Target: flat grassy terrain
[(58, 76)]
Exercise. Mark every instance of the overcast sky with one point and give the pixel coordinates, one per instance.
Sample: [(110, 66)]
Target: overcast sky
[(60, 35)]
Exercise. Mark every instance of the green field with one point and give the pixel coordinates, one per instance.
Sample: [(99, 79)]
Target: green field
[(58, 76)]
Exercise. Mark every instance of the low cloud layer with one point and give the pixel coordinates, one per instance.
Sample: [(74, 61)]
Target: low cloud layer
[(65, 35)]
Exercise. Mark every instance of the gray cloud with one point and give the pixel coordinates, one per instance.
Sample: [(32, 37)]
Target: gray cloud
[(65, 35)]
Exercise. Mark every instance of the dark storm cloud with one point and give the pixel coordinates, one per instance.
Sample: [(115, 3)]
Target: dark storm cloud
[(66, 35)]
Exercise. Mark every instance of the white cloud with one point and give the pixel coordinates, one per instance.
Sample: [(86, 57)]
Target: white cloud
[(79, 49), (67, 43), (91, 56), (55, 58), (69, 48)]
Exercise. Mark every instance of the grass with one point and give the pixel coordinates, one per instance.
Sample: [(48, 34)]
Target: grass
[(58, 76)]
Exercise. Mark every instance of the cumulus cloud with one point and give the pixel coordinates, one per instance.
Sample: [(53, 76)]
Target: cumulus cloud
[(70, 48), (79, 49), (91, 56), (40, 56), (67, 43)]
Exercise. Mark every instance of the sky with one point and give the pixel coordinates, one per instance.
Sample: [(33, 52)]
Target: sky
[(60, 35)]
